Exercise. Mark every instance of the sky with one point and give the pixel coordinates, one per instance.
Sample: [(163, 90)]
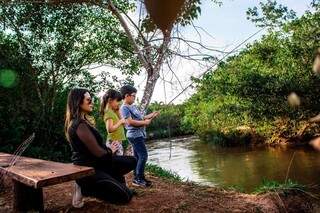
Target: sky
[(224, 28)]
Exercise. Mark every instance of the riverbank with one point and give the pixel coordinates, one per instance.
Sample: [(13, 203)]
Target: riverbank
[(243, 167), (284, 133), (170, 195)]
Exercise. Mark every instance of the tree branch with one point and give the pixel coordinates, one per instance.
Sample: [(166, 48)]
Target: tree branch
[(123, 23), (175, 75), (194, 42)]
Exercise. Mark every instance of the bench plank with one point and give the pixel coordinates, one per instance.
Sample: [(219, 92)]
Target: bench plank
[(39, 173)]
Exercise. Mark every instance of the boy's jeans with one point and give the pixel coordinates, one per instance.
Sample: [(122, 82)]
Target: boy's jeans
[(141, 154)]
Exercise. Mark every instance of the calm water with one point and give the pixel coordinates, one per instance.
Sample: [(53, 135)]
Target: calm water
[(242, 167)]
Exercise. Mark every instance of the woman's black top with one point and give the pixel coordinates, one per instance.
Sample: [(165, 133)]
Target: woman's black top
[(87, 145)]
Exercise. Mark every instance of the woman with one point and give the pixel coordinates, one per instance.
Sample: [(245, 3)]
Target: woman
[(88, 149)]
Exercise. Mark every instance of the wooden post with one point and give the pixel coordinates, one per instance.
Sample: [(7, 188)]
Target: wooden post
[(27, 198)]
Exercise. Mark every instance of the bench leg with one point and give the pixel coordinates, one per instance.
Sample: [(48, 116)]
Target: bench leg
[(27, 198)]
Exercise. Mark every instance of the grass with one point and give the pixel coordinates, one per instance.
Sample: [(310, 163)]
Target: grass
[(266, 185), (275, 186), (163, 173)]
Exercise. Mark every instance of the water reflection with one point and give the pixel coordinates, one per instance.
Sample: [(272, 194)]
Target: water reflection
[(240, 166)]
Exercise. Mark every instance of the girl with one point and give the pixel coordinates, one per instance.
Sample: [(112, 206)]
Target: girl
[(109, 111), (88, 149)]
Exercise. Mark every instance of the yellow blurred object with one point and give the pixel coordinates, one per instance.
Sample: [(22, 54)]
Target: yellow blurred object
[(315, 119), (164, 13), (294, 99), (315, 143), (316, 64)]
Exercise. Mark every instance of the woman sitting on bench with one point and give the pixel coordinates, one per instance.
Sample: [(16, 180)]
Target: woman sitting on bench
[(88, 149)]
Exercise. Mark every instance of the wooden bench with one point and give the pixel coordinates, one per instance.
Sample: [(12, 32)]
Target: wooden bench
[(30, 175)]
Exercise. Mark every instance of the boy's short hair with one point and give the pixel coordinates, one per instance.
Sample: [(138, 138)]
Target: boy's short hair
[(127, 90)]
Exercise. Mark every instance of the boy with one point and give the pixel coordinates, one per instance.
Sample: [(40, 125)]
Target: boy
[(136, 134)]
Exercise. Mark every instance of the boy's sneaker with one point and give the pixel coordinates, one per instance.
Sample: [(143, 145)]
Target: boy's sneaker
[(139, 182)]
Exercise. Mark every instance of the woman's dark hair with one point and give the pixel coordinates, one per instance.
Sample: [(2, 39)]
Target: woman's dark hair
[(127, 90), (110, 95), (73, 112)]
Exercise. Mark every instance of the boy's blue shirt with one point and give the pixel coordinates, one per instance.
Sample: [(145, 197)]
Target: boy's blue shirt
[(133, 112)]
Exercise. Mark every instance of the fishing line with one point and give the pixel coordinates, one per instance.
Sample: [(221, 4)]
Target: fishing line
[(168, 120), (219, 61), (16, 156), (205, 72)]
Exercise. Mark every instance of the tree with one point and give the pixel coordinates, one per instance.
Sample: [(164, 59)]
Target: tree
[(154, 48), (49, 45), (48, 48), (271, 14), (59, 41), (245, 99), (151, 48)]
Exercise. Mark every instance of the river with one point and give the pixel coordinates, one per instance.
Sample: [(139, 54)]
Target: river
[(241, 167)]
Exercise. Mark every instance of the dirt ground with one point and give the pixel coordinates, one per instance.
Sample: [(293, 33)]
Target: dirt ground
[(166, 196)]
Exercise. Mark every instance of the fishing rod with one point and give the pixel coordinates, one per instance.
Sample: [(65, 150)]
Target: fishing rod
[(215, 64), (205, 72)]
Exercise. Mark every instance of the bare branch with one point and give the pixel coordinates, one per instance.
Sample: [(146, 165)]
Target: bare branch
[(135, 26), (170, 68), (192, 57), (193, 42), (201, 28), (116, 12), (197, 32)]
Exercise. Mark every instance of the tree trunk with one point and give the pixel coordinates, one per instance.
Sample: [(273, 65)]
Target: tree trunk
[(148, 90), (153, 74), (152, 68)]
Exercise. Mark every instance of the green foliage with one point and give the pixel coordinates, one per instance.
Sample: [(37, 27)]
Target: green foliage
[(274, 186), (272, 14), (160, 172), (48, 48), (245, 98), (169, 123)]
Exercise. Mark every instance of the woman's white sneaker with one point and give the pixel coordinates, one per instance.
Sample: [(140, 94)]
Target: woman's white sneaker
[(77, 200)]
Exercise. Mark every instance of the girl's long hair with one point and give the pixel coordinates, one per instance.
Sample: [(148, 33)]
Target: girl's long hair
[(110, 95), (73, 111)]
